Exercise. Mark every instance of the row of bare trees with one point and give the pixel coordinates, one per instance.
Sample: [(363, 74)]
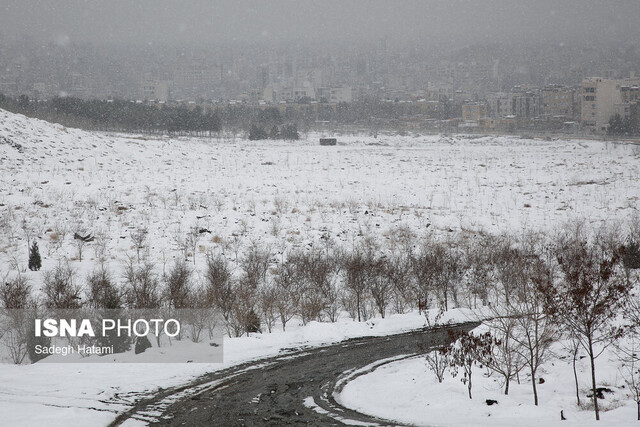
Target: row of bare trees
[(577, 288), (535, 289)]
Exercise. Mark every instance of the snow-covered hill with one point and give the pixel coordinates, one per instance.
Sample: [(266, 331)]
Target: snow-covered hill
[(56, 181)]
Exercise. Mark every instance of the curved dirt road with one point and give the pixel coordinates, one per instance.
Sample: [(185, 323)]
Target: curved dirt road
[(294, 388)]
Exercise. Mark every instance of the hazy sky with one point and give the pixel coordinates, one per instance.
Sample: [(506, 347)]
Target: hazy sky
[(424, 21)]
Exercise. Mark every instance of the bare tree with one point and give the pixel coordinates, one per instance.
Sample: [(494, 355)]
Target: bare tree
[(254, 265), (507, 261), (357, 274), (200, 315), (220, 287), (480, 277), (466, 352), (426, 269), (437, 360), (191, 241), (398, 274), (18, 310), (287, 289), (506, 357), (629, 356), (268, 301), (80, 240), (453, 271), (139, 237), (380, 284), (243, 312), (590, 296)]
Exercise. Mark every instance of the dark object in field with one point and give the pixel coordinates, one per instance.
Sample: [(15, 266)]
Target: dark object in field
[(600, 391), (491, 402), (328, 141), (142, 343), (87, 238), (204, 230), (562, 415)]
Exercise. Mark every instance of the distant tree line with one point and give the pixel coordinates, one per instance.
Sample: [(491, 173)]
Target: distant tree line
[(117, 115), (130, 116), (366, 112)]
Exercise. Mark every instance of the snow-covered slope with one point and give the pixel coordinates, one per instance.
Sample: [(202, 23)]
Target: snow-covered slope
[(289, 194)]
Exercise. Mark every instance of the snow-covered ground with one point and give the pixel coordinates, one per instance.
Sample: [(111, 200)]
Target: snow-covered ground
[(407, 391), (56, 181), (289, 194)]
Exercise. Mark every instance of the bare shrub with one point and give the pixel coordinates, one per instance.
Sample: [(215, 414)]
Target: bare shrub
[(480, 272), (59, 289), (15, 294), (178, 286), (142, 289), (399, 275), (102, 291), (359, 268), (254, 265), (426, 268), (316, 272)]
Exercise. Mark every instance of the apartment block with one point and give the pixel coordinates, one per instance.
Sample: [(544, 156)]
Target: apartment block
[(474, 111), (602, 98), (558, 101)]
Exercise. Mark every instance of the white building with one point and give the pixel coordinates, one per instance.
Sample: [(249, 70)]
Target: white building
[(600, 100)]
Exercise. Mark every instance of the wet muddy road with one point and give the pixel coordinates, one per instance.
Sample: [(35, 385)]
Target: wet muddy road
[(293, 388)]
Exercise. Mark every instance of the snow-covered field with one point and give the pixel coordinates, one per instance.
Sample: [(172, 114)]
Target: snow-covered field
[(56, 181)]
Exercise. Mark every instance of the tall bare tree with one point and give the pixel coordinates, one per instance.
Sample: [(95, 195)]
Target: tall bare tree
[(590, 296)]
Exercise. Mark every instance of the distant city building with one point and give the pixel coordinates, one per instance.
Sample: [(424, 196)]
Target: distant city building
[(499, 105), (335, 95), (474, 111), (155, 91), (602, 98), (558, 101), (525, 103), (439, 91)]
